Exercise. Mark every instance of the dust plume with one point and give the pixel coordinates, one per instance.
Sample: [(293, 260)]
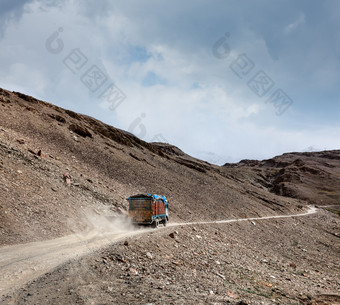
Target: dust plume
[(99, 223)]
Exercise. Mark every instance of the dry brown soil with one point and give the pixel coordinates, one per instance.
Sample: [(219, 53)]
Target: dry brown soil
[(64, 180)]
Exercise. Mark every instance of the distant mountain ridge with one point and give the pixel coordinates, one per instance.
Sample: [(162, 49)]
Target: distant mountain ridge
[(311, 176)]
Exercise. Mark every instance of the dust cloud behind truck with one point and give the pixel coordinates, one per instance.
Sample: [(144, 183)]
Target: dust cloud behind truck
[(148, 209)]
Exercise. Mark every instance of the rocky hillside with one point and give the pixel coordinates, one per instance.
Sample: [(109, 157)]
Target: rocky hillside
[(56, 165), (310, 176), (58, 168)]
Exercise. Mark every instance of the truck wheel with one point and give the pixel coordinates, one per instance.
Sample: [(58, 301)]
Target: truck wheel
[(155, 224), (164, 222)]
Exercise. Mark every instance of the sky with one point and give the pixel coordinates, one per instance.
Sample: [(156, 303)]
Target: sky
[(224, 80)]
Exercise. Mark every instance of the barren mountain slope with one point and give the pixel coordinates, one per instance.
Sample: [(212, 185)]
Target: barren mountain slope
[(59, 168), (85, 164), (313, 177)]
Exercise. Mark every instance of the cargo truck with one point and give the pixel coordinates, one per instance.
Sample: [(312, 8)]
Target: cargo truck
[(148, 209)]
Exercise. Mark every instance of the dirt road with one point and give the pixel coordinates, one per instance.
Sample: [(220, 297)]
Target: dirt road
[(311, 210), (22, 263)]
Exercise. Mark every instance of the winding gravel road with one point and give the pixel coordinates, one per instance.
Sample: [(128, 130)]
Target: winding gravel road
[(22, 263)]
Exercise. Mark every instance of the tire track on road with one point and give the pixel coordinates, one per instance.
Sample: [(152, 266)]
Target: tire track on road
[(23, 263)]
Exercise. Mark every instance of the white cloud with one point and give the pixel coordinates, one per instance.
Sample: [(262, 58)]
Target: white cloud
[(195, 101), (31, 80), (294, 25)]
